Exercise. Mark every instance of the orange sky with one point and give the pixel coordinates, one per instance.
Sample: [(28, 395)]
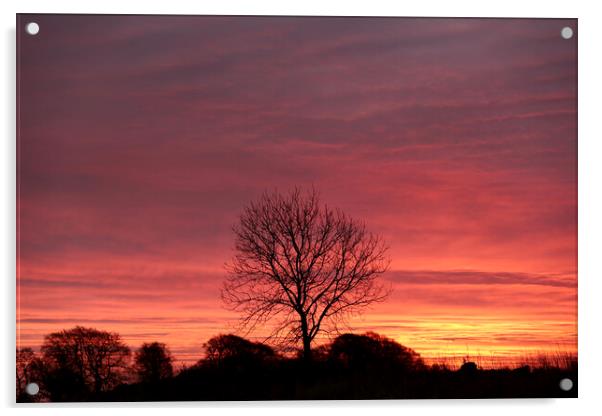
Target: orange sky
[(139, 144)]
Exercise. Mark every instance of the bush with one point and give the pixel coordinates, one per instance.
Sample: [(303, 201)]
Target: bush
[(372, 351), (234, 351)]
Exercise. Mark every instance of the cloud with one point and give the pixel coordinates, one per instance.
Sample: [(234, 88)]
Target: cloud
[(474, 277)]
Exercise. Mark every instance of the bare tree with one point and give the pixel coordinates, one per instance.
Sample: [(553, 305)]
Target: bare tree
[(303, 264), (97, 359)]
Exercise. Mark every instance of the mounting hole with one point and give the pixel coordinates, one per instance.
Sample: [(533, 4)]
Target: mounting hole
[(566, 32), (32, 389), (566, 384), (32, 28)]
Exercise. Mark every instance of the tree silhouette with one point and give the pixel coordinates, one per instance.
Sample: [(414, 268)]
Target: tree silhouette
[(231, 350), (303, 262), (30, 369), (153, 362), (86, 357), (372, 350), (25, 357), (469, 368)]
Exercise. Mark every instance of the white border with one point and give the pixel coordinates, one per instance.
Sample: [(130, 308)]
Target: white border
[(590, 200)]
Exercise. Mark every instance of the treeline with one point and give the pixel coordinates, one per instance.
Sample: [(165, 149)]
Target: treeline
[(81, 363), (86, 364)]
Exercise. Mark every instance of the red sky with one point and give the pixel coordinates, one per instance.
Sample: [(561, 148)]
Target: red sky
[(142, 138)]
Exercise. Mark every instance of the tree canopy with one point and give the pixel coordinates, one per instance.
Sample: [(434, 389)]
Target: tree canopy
[(372, 350), (234, 350), (303, 265), (86, 356), (153, 362)]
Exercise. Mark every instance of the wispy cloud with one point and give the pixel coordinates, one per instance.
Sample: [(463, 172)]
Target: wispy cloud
[(475, 277)]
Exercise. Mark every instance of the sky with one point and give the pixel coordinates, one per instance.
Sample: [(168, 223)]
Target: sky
[(141, 139)]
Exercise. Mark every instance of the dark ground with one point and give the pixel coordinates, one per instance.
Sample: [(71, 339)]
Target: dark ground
[(290, 381)]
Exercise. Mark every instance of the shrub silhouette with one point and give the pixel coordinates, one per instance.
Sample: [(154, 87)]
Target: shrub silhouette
[(153, 362), (469, 368), (234, 351), (372, 351)]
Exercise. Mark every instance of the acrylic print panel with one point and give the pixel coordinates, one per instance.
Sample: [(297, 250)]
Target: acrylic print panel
[(274, 208)]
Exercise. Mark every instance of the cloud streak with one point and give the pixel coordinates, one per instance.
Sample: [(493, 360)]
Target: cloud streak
[(474, 277)]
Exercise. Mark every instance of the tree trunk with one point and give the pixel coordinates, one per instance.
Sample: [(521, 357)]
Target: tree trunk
[(306, 349), (306, 340)]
